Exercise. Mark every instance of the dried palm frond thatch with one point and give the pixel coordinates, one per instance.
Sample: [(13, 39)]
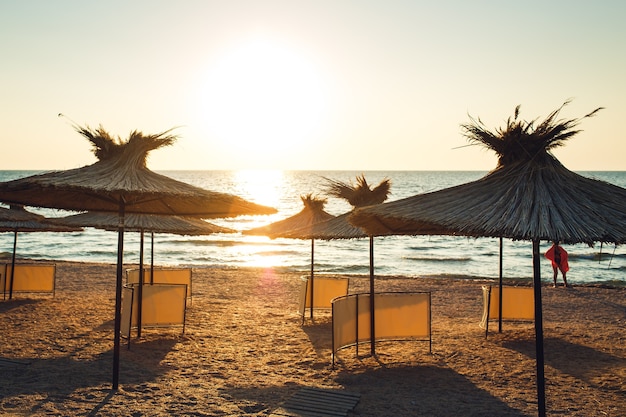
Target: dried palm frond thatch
[(529, 195), (17, 219), (151, 223), (313, 203), (335, 228), (121, 176), (359, 194), (523, 141), (105, 146), (312, 213)]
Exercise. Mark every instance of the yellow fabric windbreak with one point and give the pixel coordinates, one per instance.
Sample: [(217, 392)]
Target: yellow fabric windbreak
[(302, 292), (324, 290), (402, 315), (396, 316), (351, 320), (162, 276), (127, 309), (518, 303), (162, 305), (30, 278)]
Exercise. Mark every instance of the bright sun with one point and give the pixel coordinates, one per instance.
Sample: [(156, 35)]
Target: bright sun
[(263, 99)]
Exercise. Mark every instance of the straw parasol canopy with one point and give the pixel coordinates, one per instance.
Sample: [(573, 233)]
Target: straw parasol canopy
[(357, 195), (360, 194), (141, 223), (153, 223), (530, 195), (337, 227), (16, 219), (121, 182), (120, 178), (312, 213)]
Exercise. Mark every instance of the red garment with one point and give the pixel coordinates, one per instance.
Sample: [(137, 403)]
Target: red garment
[(551, 255)]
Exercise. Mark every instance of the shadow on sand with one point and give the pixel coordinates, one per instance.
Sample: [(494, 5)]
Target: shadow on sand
[(579, 361), (7, 305), (319, 332), (417, 389), (58, 378), (423, 390), (420, 390)]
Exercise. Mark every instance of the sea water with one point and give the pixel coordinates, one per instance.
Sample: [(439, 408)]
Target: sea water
[(431, 256)]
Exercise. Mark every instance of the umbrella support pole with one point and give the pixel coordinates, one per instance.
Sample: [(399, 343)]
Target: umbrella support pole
[(500, 288), (12, 267), (142, 279), (118, 298), (312, 268), (541, 383), (151, 258), (372, 305)]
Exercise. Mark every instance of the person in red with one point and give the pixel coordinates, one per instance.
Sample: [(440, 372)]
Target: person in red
[(558, 256)]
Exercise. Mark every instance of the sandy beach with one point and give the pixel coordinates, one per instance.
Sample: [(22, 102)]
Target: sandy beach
[(244, 352)]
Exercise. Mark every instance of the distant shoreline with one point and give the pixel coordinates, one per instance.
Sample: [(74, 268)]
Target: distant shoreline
[(288, 270)]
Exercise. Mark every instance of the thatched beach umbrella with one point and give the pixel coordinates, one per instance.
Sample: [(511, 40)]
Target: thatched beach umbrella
[(152, 223), (362, 195), (357, 195), (312, 213), (16, 219), (335, 228), (120, 182), (530, 195), (141, 223)]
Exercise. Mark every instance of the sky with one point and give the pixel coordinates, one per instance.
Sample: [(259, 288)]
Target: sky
[(308, 85)]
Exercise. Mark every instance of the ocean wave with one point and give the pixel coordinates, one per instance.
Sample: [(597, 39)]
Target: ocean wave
[(277, 253), (438, 259)]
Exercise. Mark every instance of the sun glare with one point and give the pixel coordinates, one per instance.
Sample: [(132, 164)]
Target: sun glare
[(264, 99), (261, 186)]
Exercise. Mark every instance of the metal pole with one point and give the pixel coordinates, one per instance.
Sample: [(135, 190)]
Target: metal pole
[(151, 258), (12, 266), (118, 296), (500, 296), (541, 383), (140, 289), (312, 268), (372, 294)]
